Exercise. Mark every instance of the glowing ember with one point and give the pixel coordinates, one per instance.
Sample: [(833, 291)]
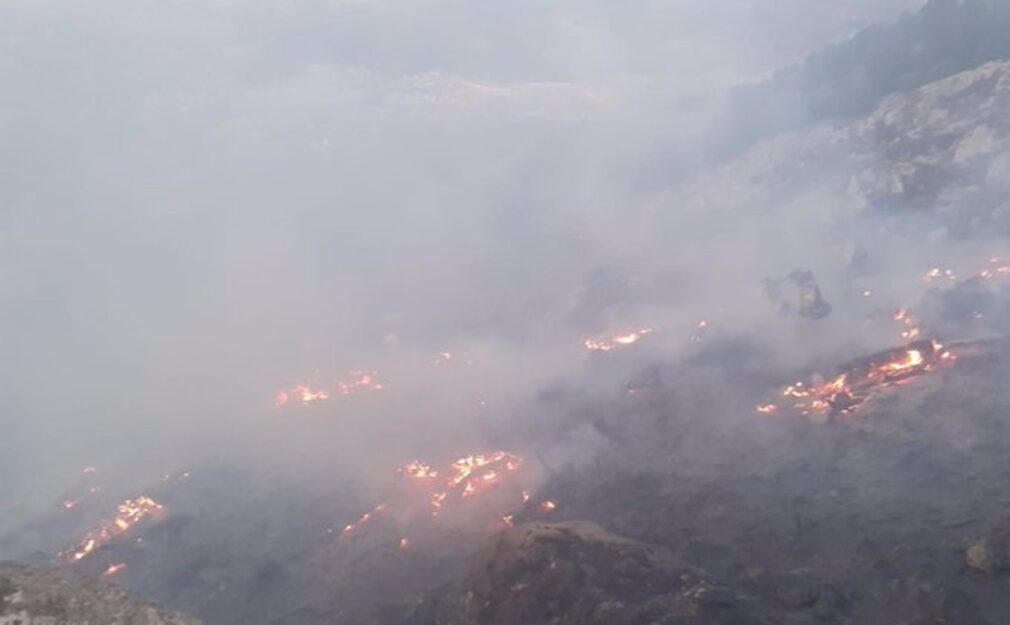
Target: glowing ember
[(448, 358), (300, 393), (114, 569), (419, 470), (177, 477), (861, 378), (437, 501), (130, 513), (547, 506), (913, 358), (910, 323), (365, 518), (814, 398), (998, 268), (699, 331), (476, 474), (358, 381), (72, 503), (465, 478), (443, 358), (611, 343), (936, 273)]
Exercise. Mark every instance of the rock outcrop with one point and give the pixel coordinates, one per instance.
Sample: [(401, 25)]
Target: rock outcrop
[(36, 596), (942, 150), (576, 573)]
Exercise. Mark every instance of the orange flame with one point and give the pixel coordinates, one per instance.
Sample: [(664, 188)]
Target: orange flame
[(911, 324), (358, 380), (130, 513), (607, 344), (998, 268), (913, 358), (848, 390), (465, 478), (468, 472), (419, 470), (301, 393), (937, 273), (114, 569), (365, 518)]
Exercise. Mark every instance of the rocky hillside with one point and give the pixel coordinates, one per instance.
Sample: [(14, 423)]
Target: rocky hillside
[(849, 79), (940, 150), (35, 596)]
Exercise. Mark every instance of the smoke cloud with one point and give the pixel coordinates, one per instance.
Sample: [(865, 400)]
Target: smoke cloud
[(209, 202)]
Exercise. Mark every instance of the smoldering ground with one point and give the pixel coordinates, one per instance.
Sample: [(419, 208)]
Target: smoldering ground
[(265, 195), (218, 214)]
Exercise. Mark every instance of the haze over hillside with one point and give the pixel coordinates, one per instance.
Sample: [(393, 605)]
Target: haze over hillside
[(374, 312)]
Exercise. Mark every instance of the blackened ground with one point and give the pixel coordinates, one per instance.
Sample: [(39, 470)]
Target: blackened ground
[(864, 520), (861, 521)]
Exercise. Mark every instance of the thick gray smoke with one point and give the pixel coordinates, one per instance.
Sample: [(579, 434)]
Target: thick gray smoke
[(207, 202)]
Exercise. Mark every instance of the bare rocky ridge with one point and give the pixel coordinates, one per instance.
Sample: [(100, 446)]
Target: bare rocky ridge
[(41, 596)]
